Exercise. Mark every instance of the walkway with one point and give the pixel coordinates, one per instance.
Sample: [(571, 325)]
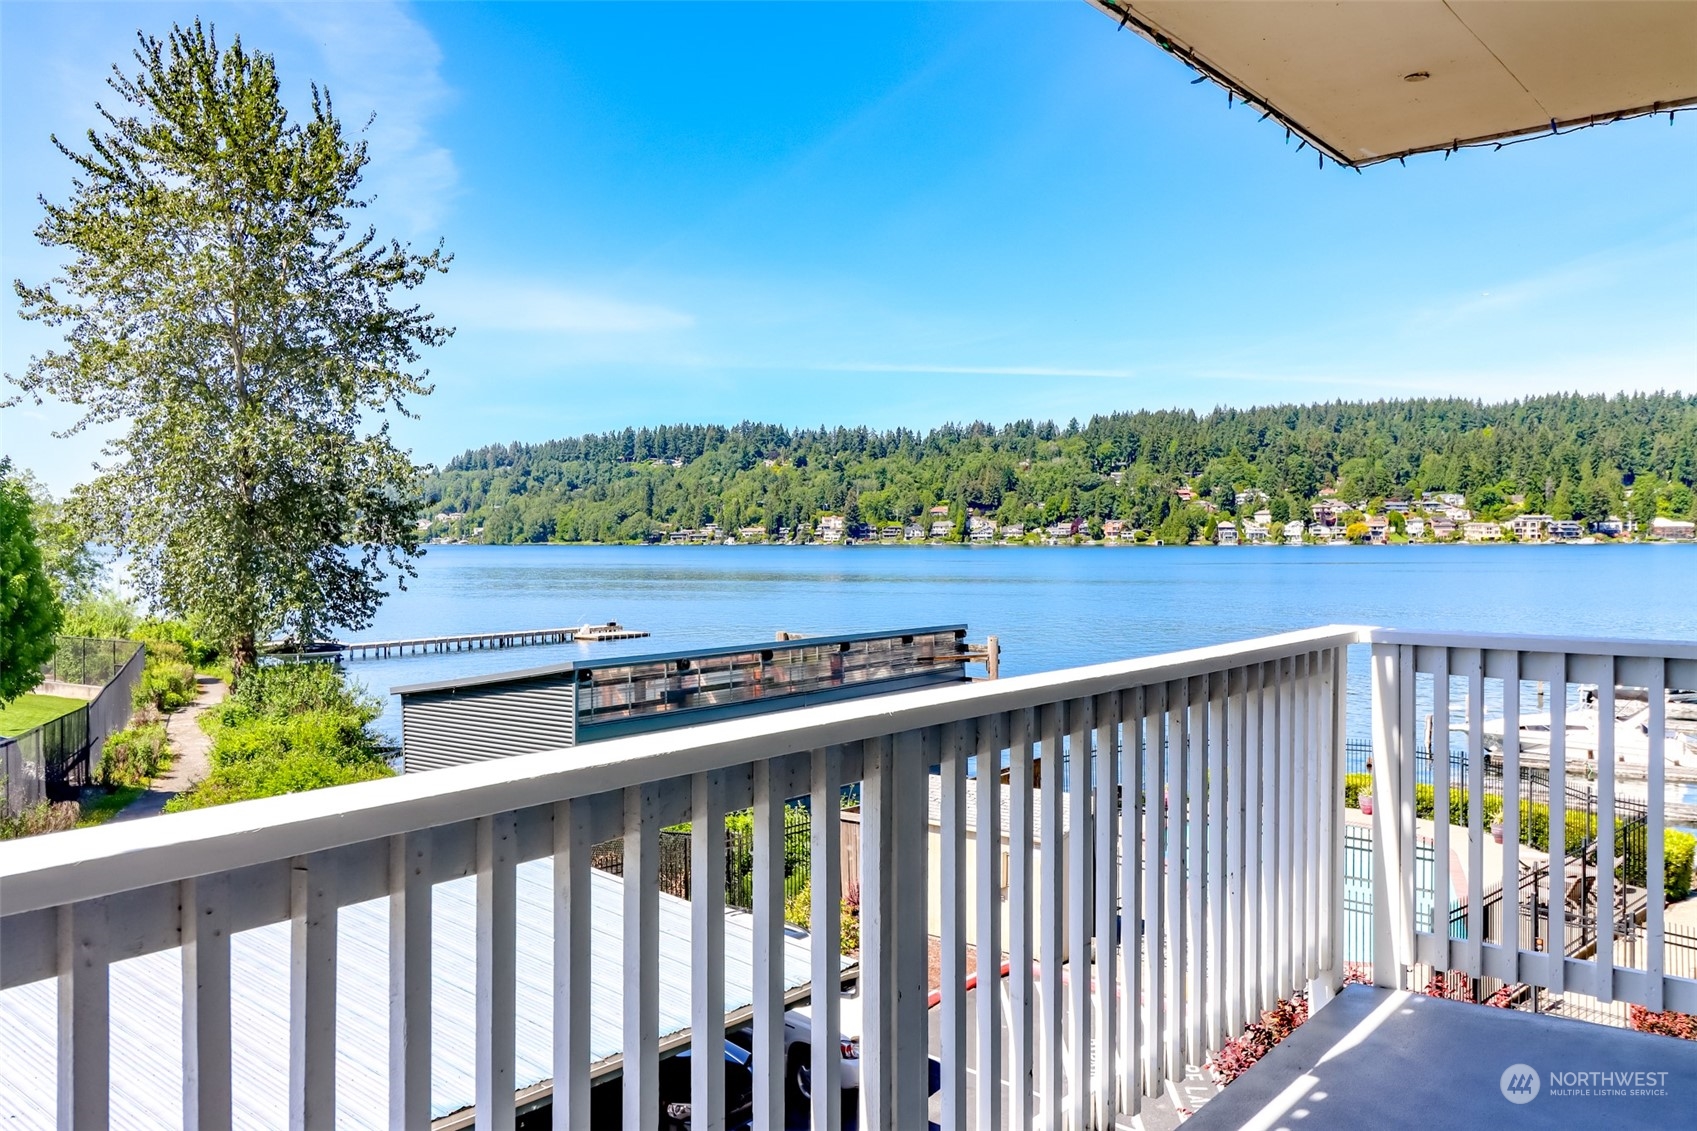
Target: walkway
[(189, 747)]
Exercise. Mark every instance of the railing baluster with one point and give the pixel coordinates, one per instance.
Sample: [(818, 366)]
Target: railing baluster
[(1022, 1058), (1177, 753), (768, 950), (1655, 866), (1194, 986), (410, 898), (1297, 763), (1558, 820), (1236, 823), (1109, 924), (1389, 908), (952, 890), (1605, 963), (1051, 921), (205, 914), (497, 970), (826, 926), (707, 951), (1255, 938), (573, 902), (992, 737), (312, 995), (1406, 747), (1289, 813), (1316, 757), (1081, 715), (1509, 920), (1441, 817), (642, 960), (1132, 805), (1217, 992), (85, 1025), (1154, 890), (1473, 666)]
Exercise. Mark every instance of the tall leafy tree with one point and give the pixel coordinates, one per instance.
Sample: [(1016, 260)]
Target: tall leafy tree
[(29, 613), (219, 302)]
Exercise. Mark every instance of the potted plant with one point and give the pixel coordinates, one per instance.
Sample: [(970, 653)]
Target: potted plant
[(1497, 830), (1366, 801)]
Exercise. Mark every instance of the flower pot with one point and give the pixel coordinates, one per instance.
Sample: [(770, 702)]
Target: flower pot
[(1497, 832), (1366, 804)]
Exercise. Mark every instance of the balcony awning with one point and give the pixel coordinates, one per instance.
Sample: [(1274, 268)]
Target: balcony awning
[(1366, 82)]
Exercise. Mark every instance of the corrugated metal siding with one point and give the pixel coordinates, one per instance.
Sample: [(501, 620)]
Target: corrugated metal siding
[(447, 728), (147, 1071)]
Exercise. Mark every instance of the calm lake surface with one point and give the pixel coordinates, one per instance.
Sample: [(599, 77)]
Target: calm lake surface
[(1053, 607)]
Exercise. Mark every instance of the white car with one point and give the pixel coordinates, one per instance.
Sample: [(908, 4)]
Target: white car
[(798, 1042)]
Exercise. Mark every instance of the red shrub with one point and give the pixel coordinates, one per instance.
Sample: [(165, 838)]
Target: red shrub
[(1669, 1024)]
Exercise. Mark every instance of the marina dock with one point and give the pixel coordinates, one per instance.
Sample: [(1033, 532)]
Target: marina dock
[(476, 641)]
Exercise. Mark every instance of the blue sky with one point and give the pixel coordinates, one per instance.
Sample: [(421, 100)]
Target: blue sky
[(898, 214)]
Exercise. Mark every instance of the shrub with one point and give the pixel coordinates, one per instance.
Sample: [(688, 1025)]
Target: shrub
[(42, 817), (134, 756), (798, 909), (167, 681), (273, 775), (1240, 1053), (189, 647), (286, 728), (1669, 1024), (1678, 852)]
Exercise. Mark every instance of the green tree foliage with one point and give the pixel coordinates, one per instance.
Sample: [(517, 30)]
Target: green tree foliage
[(636, 484), (29, 612), (218, 302), (66, 556)]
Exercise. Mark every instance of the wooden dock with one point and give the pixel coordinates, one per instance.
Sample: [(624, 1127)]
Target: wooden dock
[(477, 641)]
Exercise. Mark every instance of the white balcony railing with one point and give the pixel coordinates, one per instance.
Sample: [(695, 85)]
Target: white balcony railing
[(1199, 880)]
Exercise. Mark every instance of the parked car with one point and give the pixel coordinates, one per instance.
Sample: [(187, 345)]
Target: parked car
[(798, 1043), (606, 1100)]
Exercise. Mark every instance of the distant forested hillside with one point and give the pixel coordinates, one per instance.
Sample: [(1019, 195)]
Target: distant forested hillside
[(1573, 456)]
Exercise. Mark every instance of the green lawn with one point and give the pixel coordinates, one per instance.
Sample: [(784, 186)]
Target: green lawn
[(98, 808), (29, 711)]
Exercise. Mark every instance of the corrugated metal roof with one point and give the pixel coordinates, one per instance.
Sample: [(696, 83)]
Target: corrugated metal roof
[(147, 1004)]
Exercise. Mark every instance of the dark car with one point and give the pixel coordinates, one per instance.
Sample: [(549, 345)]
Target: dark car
[(606, 1099)]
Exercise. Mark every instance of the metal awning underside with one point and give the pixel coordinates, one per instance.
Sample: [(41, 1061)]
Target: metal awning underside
[(1366, 81)]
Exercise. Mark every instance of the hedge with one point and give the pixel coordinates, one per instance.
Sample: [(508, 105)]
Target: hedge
[(1679, 849)]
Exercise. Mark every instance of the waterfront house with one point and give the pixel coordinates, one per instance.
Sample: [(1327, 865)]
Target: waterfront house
[(1192, 936), (1255, 533), (1012, 531), (1112, 529), (942, 528), (1482, 532), (1325, 512), (1530, 527), (1673, 529), (890, 534), (751, 534), (1226, 535), (832, 528), (1293, 532), (1416, 527), (1378, 529), (1565, 530), (1443, 529), (1263, 517), (913, 532), (980, 529), (1612, 526)]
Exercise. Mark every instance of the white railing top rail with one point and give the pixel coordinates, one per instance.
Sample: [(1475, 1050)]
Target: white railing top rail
[(107, 860), (1515, 642)]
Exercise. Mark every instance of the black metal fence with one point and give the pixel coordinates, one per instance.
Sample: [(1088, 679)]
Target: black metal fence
[(87, 660), (54, 761), (609, 856)]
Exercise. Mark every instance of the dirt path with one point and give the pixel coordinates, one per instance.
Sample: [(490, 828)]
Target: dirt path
[(189, 746)]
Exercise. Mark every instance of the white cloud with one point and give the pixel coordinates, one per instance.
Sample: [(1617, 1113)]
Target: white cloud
[(377, 60), (479, 303)]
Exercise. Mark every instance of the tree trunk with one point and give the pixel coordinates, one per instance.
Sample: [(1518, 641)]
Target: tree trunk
[(243, 654)]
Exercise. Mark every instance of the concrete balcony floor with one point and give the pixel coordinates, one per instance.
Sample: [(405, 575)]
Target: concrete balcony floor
[(1385, 1059)]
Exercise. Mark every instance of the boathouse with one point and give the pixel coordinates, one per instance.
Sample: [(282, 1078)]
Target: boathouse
[(475, 718)]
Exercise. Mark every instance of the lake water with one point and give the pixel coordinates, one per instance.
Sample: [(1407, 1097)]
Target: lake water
[(1052, 607)]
